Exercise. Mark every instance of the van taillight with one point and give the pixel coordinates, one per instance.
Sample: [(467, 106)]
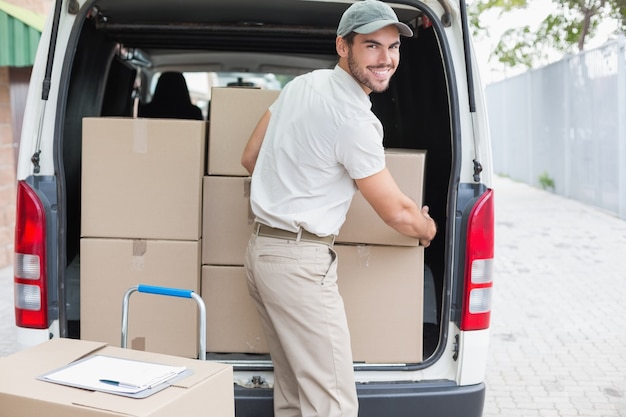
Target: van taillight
[(31, 307), (479, 265)]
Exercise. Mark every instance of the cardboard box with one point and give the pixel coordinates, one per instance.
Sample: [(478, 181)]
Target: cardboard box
[(227, 220), (363, 225), (235, 112), (382, 288), (233, 324), (142, 178), (207, 392), (109, 267)]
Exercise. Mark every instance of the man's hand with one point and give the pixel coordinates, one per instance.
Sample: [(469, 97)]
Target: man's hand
[(396, 208), (425, 241)]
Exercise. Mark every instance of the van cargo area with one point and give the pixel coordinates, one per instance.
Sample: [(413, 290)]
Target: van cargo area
[(119, 47), (130, 194)]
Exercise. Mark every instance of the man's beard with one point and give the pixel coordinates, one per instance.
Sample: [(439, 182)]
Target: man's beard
[(362, 76)]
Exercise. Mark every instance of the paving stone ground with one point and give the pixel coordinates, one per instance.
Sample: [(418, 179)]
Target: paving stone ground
[(558, 330), (7, 314)]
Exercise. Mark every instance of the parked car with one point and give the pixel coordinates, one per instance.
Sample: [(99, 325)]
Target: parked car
[(101, 58)]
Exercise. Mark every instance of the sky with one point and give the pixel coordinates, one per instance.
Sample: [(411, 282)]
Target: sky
[(496, 24), (492, 71)]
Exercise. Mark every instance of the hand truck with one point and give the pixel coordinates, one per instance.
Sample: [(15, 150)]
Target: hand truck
[(171, 292)]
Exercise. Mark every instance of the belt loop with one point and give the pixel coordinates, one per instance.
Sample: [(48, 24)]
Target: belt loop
[(299, 235), (257, 227)]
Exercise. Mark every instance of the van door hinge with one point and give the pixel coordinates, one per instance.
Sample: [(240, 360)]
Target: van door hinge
[(455, 348), (73, 6), (478, 168), (446, 17), (35, 160)]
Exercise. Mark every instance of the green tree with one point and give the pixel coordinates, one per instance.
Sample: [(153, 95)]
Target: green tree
[(564, 31)]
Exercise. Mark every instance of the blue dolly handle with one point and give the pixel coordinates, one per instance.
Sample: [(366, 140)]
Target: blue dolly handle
[(170, 292)]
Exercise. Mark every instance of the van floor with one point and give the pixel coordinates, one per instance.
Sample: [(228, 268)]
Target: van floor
[(430, 341)]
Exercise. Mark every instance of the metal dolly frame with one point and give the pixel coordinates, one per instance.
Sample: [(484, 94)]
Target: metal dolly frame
[(170, 292)]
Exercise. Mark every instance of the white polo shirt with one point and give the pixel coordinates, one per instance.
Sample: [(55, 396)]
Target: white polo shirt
[(321, 136)]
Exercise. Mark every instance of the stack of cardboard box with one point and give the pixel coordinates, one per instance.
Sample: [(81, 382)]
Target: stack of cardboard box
[(232, 321), (151, 215), (141, 224), (380, 270), (381, 273)]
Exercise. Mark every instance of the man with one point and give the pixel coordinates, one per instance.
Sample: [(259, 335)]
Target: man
[(308, 154)]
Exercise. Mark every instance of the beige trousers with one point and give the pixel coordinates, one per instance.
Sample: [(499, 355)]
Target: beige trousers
[(294, 286)]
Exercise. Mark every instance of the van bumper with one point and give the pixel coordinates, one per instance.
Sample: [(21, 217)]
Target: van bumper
[(402, 399)]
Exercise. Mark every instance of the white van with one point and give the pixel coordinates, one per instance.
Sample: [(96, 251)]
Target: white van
[(101, 59)]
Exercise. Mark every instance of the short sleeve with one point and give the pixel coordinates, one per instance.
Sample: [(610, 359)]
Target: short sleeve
[(359, 148)]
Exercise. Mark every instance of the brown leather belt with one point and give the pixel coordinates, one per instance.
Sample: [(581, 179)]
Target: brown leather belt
[(305, 236)]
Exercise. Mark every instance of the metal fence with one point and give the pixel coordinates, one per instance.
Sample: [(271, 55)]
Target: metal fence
[(563, 127)]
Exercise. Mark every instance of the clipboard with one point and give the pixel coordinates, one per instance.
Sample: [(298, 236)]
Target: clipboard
[(137, 379)]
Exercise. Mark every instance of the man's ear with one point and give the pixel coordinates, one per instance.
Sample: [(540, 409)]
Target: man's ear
[(341, 46)]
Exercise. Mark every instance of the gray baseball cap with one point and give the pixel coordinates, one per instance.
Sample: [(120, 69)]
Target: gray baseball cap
[(368, 16)]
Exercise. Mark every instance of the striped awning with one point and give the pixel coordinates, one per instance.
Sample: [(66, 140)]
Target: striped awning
[(20, 30)]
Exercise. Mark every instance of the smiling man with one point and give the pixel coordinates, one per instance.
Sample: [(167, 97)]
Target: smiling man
[(309, 153), (373, 59)]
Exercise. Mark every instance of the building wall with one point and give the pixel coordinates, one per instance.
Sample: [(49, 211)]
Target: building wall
[(563, 127), (7, 172), (9, 131), (37, 6)]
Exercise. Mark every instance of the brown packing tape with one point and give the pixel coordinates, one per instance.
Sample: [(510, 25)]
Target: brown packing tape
[(140, 247), (364, 254), (247, 183), (138, 343), (140, 136)]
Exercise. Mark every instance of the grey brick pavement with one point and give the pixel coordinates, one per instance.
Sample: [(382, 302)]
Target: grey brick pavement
[(558, 341), (7, 315), (558, 334)]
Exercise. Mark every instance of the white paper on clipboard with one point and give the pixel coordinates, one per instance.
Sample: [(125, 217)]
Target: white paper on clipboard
[(132, 376)]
